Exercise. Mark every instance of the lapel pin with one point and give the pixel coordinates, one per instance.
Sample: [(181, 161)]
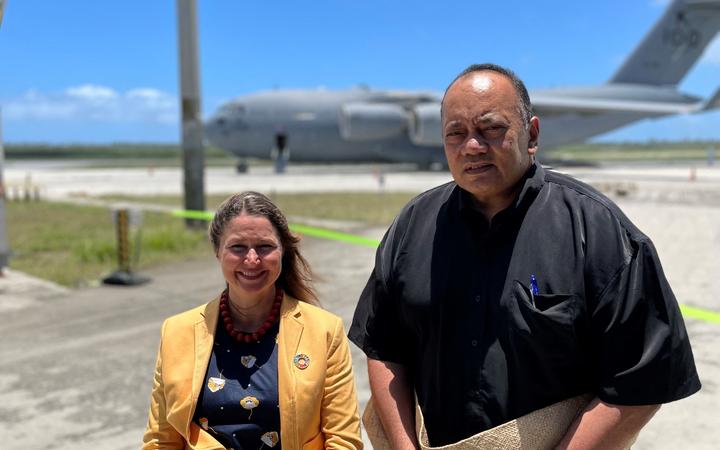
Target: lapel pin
[(301, 361)]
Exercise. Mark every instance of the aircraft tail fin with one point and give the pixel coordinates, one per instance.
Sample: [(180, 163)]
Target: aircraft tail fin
[(713, 102), (673, 45)]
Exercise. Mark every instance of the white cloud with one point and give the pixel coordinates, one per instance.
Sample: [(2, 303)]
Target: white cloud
[(147, 93), (91, 92), (91, 102)]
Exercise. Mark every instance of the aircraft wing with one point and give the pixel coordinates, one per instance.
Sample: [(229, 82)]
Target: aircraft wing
[(405, 99), (548, 104)]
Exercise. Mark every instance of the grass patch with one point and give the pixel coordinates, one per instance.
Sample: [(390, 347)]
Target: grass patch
[(114, 155), (650, 152), (76, 245), (373, 209), (100, 151)]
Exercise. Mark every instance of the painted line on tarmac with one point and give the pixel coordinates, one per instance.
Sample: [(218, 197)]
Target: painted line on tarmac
[(687, 311)]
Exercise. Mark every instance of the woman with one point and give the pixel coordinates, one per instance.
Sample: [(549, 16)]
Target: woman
[(260, 366)]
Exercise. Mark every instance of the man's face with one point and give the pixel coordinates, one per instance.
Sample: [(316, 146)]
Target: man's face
[(487, 143)]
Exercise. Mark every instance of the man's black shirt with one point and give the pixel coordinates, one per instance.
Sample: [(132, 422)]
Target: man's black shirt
[(451, 299)]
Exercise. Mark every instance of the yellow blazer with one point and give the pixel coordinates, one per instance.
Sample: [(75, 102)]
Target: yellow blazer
[(318, 405)]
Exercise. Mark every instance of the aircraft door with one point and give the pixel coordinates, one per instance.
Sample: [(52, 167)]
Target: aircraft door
[(280, 152)]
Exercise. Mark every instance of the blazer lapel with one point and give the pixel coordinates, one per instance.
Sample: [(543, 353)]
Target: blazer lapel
[(291, 328), (204, 338)]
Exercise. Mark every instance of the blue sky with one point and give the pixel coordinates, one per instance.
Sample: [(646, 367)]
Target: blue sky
[(99, 71)]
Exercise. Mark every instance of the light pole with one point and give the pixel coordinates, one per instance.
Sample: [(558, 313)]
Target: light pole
[(192, 132)]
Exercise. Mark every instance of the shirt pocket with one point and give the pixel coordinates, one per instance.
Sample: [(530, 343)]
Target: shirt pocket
[(556, 307), (542, 326)]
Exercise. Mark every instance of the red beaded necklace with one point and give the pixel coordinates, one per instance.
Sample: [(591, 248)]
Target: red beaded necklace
[(242, 336)]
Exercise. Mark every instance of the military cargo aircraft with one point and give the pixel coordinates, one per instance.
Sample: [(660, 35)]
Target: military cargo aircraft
[(366, 125)]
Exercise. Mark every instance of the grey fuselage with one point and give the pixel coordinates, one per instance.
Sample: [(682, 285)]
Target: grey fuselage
[(310, 120), (248, 126)]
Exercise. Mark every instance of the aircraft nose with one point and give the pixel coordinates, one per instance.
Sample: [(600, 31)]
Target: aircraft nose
[(216, 128), (227, 126)]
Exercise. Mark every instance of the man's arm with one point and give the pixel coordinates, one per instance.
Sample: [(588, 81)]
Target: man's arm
[(394, 402), (606, 426)]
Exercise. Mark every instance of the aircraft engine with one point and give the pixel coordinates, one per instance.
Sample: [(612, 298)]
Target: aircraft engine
[(425, 126), (370, 121)]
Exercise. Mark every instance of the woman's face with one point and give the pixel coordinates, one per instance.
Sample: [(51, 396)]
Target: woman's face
[(250, 256)]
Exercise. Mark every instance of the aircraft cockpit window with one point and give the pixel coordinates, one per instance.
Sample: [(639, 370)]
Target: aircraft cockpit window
[(234, 110)]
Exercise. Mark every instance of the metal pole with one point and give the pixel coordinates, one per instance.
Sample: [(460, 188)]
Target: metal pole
[(4, 244), (2, 9), (192, 132)]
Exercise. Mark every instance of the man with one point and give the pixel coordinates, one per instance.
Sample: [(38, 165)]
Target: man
[(513, 288)]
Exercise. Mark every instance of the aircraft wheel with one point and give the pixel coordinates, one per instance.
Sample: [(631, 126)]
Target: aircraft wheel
[(241, 167)]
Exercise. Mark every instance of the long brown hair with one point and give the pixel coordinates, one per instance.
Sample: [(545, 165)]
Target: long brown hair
[(295, 277)]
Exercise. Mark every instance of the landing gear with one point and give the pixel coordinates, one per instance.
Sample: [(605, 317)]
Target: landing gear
[(280, 153), (241, 167)]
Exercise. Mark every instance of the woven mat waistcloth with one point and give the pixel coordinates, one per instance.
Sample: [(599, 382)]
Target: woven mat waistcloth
[(538, 430)]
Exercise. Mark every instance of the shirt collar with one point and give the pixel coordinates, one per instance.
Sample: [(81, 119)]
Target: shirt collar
[(532, 182)]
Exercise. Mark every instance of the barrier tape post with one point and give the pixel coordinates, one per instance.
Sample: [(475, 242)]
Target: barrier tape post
[(124, 275)]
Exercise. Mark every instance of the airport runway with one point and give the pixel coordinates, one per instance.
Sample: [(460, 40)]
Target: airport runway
[(77, 365), (59, 181)]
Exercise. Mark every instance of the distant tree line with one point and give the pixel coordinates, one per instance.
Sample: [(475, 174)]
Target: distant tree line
[(650, 150), (100, 151)]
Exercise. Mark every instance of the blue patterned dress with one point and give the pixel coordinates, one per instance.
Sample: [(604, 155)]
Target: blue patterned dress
[(238, 404)]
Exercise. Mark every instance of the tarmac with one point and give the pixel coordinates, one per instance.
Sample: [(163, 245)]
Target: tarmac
[(77, 365)]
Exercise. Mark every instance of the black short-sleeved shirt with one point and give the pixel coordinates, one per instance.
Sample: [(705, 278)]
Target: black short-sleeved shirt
[(451, 298)]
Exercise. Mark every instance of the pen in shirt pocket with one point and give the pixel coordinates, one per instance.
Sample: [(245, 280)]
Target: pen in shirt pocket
[(533, 289)]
